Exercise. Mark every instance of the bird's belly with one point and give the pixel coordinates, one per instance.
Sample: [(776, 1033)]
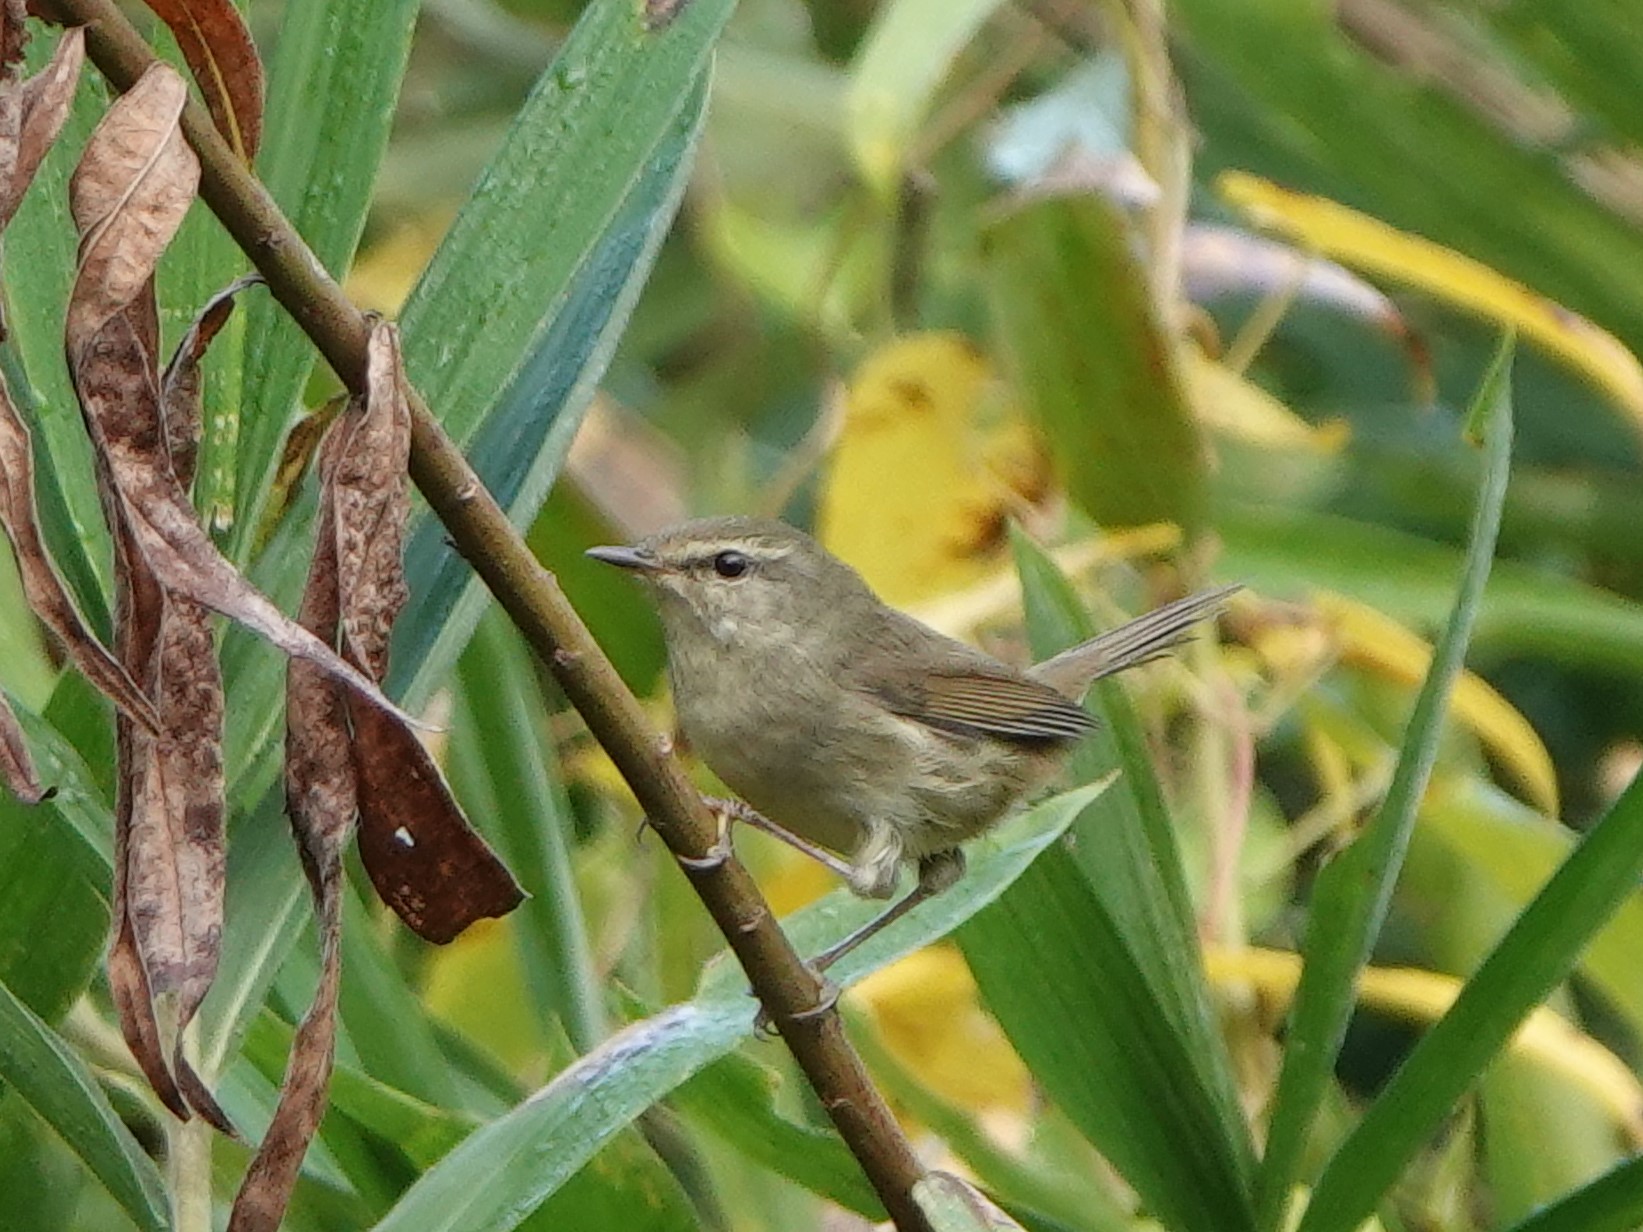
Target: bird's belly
[(833, 777)]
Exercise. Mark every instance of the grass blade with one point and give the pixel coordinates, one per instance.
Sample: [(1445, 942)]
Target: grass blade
[(332, 88), (46, 1073), (1537, 953), (507, 735), (1097, 1039), (508, 1167), (1611, 1203), (1125, 846), (1349, 903)]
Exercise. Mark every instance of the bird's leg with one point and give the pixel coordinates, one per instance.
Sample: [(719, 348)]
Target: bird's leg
[(936, 873), (737, 810)]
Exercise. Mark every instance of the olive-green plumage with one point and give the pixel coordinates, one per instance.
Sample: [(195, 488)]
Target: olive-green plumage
[(849, 723)]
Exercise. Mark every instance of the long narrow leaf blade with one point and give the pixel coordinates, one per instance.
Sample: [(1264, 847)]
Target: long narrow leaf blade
[(1537, 953), (1611, 1203), (508, 1167), (1125, 846), (1350, 901), (43, 1070), (1055, 968), (332, 88)]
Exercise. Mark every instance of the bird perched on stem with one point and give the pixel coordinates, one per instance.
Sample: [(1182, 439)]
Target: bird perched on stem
[(850, 728)]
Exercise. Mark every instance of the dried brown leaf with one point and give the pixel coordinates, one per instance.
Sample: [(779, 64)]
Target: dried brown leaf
[(138, 608), (46, 594), (16, 765), (14, 36), (128, 196), (32, 114), (169, 814), (370, 506), (265, 1192), (425, 860), (217, 46), (180, 386)]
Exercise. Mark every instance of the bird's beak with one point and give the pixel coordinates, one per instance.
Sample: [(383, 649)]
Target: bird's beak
[(626, 558)]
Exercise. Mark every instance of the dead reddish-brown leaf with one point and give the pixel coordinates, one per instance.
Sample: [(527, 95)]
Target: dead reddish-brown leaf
[(320, 799), (217, 46), (266, 1191), (169, 806), (379, 772), (138, 609), (180, 386), (16, 765), (46, 594), (424, 858)]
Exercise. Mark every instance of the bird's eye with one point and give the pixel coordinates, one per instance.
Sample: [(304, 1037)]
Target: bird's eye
[(731, 564)]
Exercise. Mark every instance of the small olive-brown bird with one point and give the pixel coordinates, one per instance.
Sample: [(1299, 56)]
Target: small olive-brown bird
[(851, 727)]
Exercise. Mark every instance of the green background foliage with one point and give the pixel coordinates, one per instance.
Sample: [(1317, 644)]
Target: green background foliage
[(686, 240)]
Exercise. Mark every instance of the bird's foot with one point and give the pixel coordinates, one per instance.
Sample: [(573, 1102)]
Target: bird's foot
[(827, 999)]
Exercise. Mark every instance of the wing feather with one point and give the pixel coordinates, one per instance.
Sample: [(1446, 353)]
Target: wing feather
[(1006, 706)]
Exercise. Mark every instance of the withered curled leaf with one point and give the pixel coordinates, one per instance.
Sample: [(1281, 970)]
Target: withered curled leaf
[(180, 386), (216, 44), (46, 594), (169, 805), (32, 114), (438, 874), (16, 765), (128, 197), (425, 860)]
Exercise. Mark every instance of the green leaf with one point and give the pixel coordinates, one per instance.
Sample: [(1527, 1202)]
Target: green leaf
[(951, 1205), (39, 269), (1536, 954), (503, 733), (1074, 317), (514, 321), (332, 89), (1516, 849), (904, 56), (54, 869), (733, 1099), (1056, 969), (1612, 1203), (1125, 846), (1350, 900), (42, 1069), (510, 1166)]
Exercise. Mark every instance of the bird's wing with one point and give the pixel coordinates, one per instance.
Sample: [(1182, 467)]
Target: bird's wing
[(984, 703)]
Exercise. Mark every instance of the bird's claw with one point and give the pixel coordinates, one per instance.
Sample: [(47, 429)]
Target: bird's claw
[(717, 856), (827, 999)]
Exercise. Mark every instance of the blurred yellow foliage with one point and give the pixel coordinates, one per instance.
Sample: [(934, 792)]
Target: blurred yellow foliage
[(929, 464), (1373, 641), (1546, 1037), (1228, 402), (1369, 244), (929, 1016)]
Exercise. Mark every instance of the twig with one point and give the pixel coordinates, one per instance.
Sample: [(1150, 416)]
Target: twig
[(531, 596)]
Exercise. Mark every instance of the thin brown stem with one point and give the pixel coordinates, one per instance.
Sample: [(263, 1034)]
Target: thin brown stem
[(531, 596)]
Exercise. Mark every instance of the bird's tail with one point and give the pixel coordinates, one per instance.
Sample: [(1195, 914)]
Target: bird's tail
[(1072, 672)]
